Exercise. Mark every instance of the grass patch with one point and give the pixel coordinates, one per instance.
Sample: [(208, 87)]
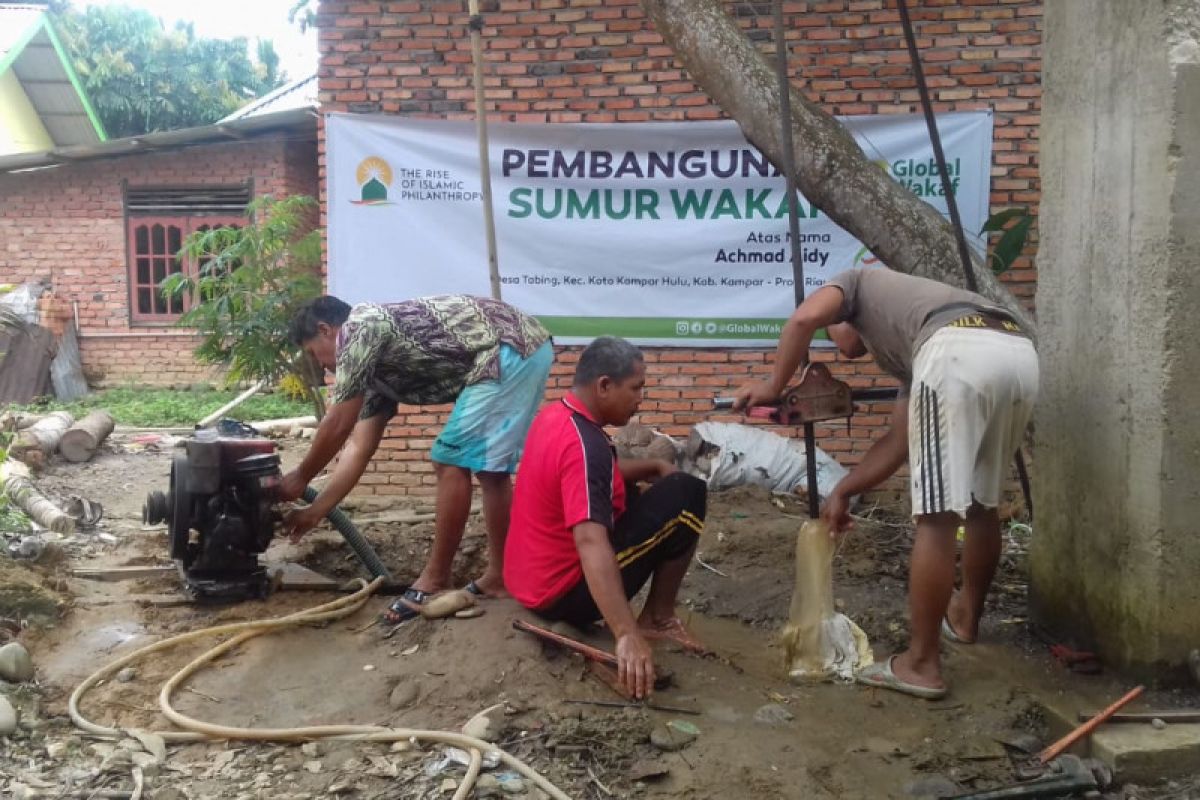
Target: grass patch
[(170, 408)]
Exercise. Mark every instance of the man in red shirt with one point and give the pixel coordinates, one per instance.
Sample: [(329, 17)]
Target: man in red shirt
[(576, 550)]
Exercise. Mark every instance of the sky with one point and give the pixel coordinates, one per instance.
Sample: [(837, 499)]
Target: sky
[(227, 19)]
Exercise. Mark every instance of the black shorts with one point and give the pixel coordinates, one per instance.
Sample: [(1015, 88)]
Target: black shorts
[(661, 524)]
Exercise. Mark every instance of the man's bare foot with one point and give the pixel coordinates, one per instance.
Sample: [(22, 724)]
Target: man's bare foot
[(917, 673), (671, 629)]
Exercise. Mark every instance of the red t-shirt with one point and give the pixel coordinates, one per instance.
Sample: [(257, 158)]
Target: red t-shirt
[(568, 475)]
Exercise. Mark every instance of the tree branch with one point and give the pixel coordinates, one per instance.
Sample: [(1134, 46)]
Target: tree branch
[(906, 233)]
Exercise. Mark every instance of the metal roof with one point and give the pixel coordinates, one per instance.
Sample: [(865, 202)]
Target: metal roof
[(297, 94), (303, 120), (30, 47)]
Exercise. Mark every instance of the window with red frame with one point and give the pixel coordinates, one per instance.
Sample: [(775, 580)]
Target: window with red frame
[(158, 221)]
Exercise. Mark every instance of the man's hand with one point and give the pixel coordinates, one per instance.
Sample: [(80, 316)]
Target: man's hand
[(291, 487), (836, 513), (298, 522), (635, 665), (758, 393)]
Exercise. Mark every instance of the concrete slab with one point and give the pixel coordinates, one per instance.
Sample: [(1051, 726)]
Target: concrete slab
[(1135, 752)]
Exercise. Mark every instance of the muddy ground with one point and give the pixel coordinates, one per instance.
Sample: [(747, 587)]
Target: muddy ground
[(828, 741)]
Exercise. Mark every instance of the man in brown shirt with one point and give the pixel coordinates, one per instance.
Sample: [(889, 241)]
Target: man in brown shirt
[(969, 378)]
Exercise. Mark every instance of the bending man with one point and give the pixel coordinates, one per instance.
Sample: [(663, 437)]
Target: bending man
[(486, 356), (969, 379)]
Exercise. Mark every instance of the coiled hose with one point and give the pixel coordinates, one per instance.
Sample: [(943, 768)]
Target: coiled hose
[(361, 547), (197, 730)]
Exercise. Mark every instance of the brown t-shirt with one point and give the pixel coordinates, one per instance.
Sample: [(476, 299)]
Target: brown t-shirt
[(895, 313)]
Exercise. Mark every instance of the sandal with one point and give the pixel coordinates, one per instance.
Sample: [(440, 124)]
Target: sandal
[(473, 588), (882, 676), (405, 607)]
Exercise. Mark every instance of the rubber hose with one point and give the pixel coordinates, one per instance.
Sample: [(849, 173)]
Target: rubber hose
[(197, 730), (361, 547)]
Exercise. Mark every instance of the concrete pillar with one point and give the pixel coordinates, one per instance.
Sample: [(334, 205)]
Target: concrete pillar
[(1116, 550)]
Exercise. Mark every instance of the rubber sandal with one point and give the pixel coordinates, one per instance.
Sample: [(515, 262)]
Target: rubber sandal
[(473, 588), (882, 676), (405, 607), (949, 634)]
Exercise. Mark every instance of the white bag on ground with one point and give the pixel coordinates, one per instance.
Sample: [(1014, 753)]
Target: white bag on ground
[(820, 643), (729, 454)]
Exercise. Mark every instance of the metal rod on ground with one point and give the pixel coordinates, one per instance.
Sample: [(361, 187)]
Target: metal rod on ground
[(475, 25), (587, 651), (789, 170), (618, 704), (1059, 747), (1170, 717), (960, 237)]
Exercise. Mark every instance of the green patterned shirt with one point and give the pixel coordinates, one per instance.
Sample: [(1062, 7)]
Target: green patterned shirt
[(425, 351)]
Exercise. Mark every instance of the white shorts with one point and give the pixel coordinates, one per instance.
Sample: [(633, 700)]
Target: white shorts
[(972, 395)]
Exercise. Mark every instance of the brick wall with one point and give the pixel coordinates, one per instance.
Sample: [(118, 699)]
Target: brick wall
[(601, 61), (66, 226)]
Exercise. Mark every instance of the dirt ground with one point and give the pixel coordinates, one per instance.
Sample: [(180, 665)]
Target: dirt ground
[(827, 741)]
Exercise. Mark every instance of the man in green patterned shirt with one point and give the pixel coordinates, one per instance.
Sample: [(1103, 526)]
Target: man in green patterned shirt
[(487, 357)]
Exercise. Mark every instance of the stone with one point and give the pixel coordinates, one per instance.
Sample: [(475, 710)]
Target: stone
[(8, 717), (56, 750), (673, 735), (933, 786), (314, 766), (126, 675), (404, 695), (487, 786), (15, 663), (1158, 724), (511, 784), (310, 749), (448, 785), (773, 714)]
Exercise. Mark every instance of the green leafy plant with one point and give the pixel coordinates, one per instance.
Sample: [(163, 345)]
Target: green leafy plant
[(250, 281), (1013, 225)]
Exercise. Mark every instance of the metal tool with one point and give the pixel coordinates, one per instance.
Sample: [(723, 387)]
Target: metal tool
[(1175, 716), (1065, 776), (816, 398)]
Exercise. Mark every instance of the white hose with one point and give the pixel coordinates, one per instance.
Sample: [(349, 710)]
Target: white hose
[(197, 730)]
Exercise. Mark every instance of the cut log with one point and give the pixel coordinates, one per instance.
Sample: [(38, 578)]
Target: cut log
[(43, 436), (80, 442), (14, 477)]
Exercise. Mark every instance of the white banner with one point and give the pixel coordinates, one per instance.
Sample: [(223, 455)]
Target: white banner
[(665, 233)]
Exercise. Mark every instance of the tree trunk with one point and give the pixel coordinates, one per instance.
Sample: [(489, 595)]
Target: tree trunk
[(14, 477), (43, 436), (80, 442), (832, 171)]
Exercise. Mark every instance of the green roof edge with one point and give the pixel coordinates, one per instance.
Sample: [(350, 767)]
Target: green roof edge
[(12, 55)]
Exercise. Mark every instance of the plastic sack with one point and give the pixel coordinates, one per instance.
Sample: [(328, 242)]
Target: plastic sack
[(729, 454), (820, 644)]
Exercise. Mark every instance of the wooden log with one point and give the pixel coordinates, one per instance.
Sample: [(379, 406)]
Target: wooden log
[(14, 477), (85, 436), (43, 436)]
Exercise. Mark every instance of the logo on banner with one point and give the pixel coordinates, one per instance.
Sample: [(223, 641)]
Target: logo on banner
[(374, 177), (864, 257)]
